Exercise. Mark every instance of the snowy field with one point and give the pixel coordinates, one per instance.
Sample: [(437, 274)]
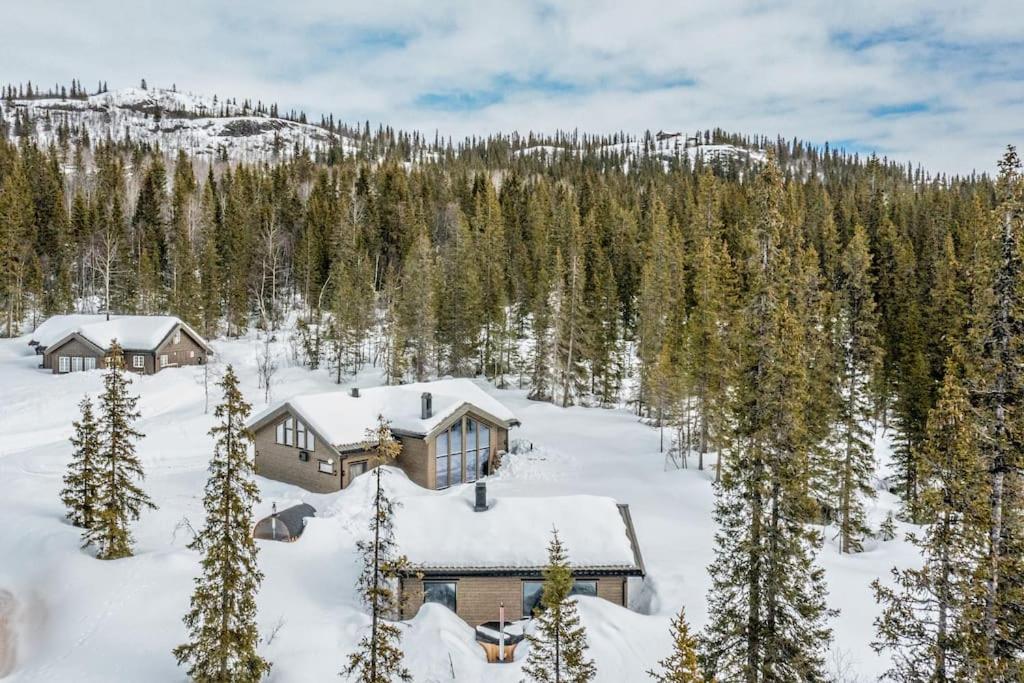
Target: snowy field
[(75, 618)]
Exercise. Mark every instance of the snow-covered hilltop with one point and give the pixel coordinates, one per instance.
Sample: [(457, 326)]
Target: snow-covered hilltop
[(174, 120), (667, 147)]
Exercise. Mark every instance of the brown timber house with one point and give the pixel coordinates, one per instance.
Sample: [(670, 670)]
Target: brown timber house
[(150, 343), (451, 432), (477, 557)]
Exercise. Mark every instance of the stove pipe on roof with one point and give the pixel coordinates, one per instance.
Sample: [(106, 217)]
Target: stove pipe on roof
[(354, 392), (426, 406)]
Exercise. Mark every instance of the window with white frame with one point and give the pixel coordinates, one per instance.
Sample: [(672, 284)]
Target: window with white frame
[(90, 363), (64, 364), (292, 432), (177, 336), (76, 364), (163, 360), (138, 362)]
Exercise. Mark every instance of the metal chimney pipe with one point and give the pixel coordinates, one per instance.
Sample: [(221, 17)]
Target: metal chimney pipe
[(481, 497), (426, 405)]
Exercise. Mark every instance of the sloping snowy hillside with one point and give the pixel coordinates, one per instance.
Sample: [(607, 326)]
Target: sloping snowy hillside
[(72, 617), (174, 120)]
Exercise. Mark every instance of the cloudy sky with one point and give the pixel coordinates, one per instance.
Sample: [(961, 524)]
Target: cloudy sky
[(935, 82)]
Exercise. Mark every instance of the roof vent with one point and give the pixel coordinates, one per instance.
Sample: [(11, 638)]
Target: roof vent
[(481, 497), (426, 405), (354, 393)]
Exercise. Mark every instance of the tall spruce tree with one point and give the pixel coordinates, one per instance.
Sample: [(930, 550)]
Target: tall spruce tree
[(378, 655), (853, 462), (558, 643), (82, 481), (925, 624), (417, 315), (121, 499), (682, 665), (997, 393), (767, 601), (222, 618)]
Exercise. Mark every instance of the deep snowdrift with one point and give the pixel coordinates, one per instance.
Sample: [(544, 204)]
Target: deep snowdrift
[(71, 617)]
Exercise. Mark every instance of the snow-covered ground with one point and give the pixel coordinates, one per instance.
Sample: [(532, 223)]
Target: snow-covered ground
[(77, 618)]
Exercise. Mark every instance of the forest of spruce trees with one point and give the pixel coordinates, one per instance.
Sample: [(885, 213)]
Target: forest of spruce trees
[(770, 317)]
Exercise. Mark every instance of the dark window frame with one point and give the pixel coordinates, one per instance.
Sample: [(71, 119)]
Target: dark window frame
[(540, 584), (454, 607), (479, 447)]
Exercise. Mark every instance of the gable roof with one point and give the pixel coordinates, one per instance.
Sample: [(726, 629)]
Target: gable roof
[(133, 332), (443, 534), (56, 327), (342, 419)]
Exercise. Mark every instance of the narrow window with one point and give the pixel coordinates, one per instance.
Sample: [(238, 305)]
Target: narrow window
[(177, 336), (279, 437), (442, 592), (300, 432), (289, 432), (310, 441), (163, 360), (455, 459), (64, 364), (192, 354), (76, 364), (90, 363), (442, 460)]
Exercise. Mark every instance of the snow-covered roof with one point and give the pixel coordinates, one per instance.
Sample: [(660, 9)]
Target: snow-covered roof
[(342, 419), (56, 327), (136, 332), (443, 532)]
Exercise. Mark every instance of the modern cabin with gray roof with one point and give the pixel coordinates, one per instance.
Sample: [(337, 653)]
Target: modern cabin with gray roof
[(451, 432)]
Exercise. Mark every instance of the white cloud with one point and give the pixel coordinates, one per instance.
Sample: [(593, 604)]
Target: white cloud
[(801, 68)]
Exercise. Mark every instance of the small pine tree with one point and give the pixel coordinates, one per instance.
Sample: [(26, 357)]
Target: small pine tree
[(222, 619), (378, 656), (121, 500), (681, 666), (887, 529), (559, 642), (82, 481)]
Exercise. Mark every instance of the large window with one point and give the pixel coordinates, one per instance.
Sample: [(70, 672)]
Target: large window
[(533, 590), (292, 432), (64, 364), (355, 469), (138, 362), (442, 592), (463, 452)]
